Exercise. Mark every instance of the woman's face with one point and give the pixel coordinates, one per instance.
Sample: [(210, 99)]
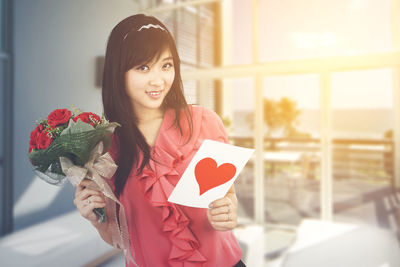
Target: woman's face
[(147, 85)]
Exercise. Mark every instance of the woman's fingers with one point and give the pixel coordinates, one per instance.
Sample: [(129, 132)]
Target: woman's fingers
[(87, 205), (87, 199), (226, 201), (222, 214), (87, 210), (94, 199), (88, 192), (85, 183), (221, 217), (220, 210), (223, 221), (224, 226)]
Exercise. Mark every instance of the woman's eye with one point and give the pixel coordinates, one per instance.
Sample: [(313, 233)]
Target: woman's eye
[(143, 68), (167, 65)]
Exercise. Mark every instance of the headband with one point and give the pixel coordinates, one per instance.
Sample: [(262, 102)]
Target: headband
[(148, 26)]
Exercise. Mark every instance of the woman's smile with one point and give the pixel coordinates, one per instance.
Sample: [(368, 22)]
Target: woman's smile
[(155, 93)]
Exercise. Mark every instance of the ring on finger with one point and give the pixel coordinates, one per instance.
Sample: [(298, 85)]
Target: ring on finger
[(87, 201)]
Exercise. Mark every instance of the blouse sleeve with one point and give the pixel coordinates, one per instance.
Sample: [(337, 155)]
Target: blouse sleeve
[(212, 127)]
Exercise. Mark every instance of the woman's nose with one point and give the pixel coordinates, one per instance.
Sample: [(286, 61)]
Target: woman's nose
[(157, 82), (156, 79)]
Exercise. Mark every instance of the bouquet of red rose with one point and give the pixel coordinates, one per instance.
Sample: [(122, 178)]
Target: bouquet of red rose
[(73, 145)]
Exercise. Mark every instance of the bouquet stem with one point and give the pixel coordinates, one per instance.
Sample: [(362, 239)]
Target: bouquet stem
[(100, 212)]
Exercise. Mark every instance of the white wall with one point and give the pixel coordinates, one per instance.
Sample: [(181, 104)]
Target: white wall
[(55, 44)]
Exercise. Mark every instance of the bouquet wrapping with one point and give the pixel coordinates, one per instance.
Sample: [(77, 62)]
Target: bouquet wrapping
[(74, 146)]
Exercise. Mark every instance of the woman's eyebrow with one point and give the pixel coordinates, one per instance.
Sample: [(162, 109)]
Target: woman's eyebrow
[(167, 58)]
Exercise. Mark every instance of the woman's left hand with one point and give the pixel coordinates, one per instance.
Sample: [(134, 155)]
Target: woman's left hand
[(222, 212)]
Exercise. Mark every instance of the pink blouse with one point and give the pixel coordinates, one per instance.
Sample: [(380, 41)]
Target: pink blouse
[(167, 234)]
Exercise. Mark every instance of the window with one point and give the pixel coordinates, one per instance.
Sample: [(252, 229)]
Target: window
[(194, 29), (333, 48)]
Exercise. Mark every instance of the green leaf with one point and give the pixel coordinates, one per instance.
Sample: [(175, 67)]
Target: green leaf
[(77, 127), (110, 127)]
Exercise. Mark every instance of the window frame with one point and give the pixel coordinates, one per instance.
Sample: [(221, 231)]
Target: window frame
[(6, 156)]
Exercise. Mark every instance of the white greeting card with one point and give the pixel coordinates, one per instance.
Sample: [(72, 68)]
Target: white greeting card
[(210, 174)]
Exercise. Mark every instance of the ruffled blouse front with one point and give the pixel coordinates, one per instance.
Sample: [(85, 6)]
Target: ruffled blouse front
[(168, 234)]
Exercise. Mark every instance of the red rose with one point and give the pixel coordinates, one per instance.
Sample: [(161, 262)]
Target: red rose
[(58, 117), (88, 117), (34, 137), (44, 140)]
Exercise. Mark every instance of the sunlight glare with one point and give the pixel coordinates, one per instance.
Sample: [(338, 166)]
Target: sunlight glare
[(314, 40), (355, 4)]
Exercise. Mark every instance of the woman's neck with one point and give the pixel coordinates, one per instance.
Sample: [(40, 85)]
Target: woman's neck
[(149, 124), (148, 116)]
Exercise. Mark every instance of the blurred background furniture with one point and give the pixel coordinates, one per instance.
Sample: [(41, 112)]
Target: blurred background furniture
[(319, 243)]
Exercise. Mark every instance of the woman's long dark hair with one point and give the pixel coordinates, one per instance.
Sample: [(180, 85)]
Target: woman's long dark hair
[(126, 48)]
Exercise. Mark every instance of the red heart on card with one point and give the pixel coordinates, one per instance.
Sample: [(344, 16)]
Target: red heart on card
[(208, 175)]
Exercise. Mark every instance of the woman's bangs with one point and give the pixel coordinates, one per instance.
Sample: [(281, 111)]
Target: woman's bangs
[(150, 48)]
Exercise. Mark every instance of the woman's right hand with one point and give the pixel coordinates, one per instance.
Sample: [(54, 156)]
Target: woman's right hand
[(87, 199)]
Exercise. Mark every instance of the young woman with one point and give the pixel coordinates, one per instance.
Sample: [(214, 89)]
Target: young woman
[(160, 133)]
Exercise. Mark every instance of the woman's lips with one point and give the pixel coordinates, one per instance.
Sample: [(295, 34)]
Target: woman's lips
[(155, 93)]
